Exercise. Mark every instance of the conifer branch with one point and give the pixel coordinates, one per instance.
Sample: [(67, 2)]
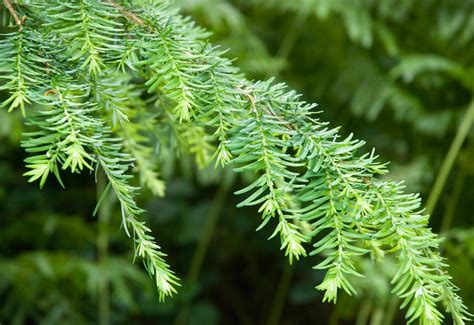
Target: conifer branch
[(18, 21), (130, 15), (145, 247), (86, 67)]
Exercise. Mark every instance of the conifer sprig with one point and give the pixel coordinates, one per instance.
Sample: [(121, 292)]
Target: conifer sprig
[(115, 165), (93, 68), (259, 146)]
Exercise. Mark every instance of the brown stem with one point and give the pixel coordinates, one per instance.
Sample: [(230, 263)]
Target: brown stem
[(19, 21), (130, 15)]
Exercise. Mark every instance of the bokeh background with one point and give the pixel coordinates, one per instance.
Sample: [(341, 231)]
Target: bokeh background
[(397, 73)]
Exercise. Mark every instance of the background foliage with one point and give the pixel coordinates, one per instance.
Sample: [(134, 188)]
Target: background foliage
[(398, 74)]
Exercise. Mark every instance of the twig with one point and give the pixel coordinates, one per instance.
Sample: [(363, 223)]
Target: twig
[(103, 247), (204, 242), (452, 204), (280, 296), (130, 15), (19, 21), (251, 98), (450, 158)]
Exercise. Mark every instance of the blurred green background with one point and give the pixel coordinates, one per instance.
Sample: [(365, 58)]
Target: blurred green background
[(397, 73)]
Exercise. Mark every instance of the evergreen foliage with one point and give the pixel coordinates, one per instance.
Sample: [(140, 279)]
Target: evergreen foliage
[(96, 79)]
